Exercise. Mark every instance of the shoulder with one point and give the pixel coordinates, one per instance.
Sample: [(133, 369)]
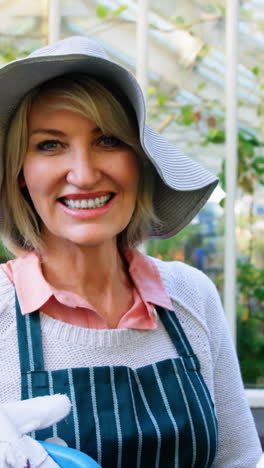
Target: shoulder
[(183, 282), (194, 296), (6, 286), (7, 304), (198, 307), (175, 268), (6, 291)]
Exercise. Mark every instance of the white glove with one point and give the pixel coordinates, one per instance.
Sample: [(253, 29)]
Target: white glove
[(261, 462), (17, 450)]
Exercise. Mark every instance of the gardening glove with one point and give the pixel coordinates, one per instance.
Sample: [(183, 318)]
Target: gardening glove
[(261, 462), (18, 418)]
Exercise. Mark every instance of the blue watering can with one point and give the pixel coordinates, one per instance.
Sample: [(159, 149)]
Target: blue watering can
[(67, 457)]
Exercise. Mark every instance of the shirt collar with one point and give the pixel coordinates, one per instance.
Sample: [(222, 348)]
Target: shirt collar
[(33, 291), (146, 279)]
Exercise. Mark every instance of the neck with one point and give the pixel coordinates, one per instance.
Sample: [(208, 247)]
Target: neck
[(99, 273)]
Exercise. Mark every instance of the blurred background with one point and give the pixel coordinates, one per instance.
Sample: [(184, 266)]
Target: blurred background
[(200, 64)]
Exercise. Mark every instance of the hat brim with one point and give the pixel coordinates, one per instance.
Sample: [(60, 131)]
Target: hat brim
[(183, 185)]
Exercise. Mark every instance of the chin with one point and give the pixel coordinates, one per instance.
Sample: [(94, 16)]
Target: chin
[(94, 240), (82, 237)]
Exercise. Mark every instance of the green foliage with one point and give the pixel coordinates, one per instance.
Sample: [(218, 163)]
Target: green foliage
[(216, 8), (251, 286), (171, 249), (250, 322), (119, 10), (152, 91), (180, 20), (161, 99), (246, 14), (7, 52), (187, 115), (250, 166), (4, 254), (215, 135), (250, 348), (258, 166), (204, 51), (201, 86), (221, 9), (256, 70), (102, 12)]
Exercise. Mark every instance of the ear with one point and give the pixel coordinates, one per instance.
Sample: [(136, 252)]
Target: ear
[(21, 180)]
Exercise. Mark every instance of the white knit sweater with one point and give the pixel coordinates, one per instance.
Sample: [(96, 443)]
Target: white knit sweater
[(197, 305)]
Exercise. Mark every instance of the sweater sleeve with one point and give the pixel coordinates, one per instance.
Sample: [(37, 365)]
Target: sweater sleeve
[(239, 445), (203, 319)]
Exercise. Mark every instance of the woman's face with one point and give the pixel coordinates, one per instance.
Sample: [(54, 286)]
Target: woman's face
[(83, 184)]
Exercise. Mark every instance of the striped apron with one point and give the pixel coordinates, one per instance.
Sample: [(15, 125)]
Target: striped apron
[(160, 415)]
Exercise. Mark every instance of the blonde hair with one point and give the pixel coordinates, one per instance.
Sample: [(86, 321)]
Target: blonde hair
[(115, 116)]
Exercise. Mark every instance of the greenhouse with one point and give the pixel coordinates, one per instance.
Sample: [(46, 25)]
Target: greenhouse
[(200, 66)]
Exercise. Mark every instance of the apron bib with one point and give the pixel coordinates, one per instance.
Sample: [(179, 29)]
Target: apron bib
[(151, 417)]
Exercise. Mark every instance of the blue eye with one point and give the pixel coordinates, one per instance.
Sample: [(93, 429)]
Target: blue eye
[(110, 141), (49, 145)]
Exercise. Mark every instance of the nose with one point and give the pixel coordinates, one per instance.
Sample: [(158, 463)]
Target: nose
[(83, 170)]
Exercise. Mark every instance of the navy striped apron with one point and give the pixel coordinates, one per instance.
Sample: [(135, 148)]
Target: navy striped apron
[(156, 416)]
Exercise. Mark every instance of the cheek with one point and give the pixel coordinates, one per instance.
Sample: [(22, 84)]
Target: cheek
[(28, 169), (36, 174), (134, 178), (32, 183), (129, 171), (36, 183)]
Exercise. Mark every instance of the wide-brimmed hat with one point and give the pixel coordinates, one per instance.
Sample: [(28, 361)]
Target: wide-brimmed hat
[(183, 186)]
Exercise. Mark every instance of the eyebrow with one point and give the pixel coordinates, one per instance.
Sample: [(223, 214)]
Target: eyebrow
[(54, 132)]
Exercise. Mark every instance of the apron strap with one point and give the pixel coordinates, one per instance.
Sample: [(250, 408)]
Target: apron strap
[(176, 333), (29, 340)]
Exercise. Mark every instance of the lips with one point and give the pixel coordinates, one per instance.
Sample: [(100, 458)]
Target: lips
[(86, 195), (87, 205)]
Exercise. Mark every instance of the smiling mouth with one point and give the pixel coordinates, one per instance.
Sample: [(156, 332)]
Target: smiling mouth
[(87, 203)]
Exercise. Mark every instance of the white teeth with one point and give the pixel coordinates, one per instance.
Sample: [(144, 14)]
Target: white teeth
[(71, 203), (84, 204), (87, 203)]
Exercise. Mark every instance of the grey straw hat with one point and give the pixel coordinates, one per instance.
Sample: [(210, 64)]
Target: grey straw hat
[(183, 186)]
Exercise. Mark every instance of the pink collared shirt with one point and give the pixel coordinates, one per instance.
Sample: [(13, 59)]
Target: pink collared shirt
[(34, 293)]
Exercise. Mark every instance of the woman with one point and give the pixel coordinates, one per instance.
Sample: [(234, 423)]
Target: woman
[(140, 346)]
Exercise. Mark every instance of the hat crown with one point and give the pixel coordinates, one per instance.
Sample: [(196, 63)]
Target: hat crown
[(72, 45)]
